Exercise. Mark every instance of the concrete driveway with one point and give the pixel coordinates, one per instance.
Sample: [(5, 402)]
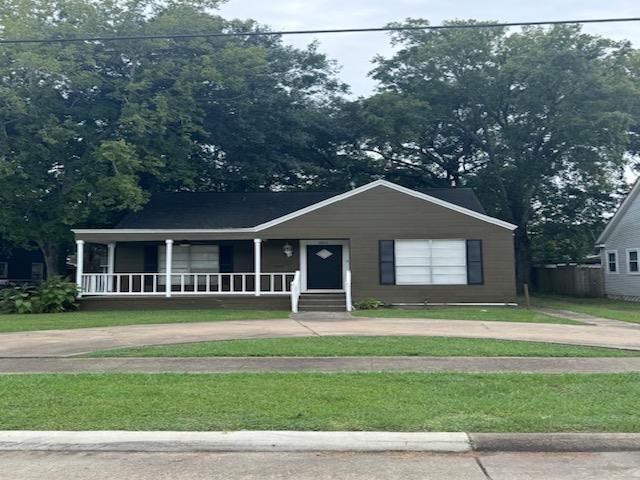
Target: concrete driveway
[(60, 343)]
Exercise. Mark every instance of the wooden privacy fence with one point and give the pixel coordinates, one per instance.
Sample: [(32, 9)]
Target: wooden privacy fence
[(573, 280)]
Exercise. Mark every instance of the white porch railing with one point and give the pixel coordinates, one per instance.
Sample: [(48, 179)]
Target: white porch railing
[(185, 283), (295, 292), (347, 290)]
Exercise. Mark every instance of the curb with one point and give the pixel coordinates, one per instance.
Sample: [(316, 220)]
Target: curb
[(293, 441), (555, 442), (241, 441)]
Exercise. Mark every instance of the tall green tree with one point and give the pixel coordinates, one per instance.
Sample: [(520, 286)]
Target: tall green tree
[(516, 115), (88, 129)]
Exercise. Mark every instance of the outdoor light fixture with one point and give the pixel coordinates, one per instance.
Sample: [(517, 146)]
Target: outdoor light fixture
[(288, 250)]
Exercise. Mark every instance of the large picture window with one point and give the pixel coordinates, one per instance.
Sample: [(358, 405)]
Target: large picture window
[(190, 259), (431, 262)]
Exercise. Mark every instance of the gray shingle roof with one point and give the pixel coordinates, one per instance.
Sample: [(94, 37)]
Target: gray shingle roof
[(215, 210)]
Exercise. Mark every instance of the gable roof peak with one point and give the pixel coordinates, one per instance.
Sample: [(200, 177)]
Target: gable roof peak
[(624, 206)]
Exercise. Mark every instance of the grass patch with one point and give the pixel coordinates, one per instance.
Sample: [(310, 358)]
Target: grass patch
[(364, 401), (598, 307), (489, 314), (63, 321), (366, 346)]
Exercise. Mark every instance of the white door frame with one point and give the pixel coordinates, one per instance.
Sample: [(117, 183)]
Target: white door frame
[(303, 262)]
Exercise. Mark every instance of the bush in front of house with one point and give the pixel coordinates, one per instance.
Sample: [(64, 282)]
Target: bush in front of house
[(51, 296), (18, 298), (57, 295), (369, 304)]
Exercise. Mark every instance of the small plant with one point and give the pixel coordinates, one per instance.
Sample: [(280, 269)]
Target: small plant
[(52, 296), (56, 295), (369, 304)]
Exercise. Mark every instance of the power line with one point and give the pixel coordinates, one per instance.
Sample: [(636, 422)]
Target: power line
[(178, 36)]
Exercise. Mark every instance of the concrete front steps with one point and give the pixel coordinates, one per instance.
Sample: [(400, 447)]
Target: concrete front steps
[(322, 302)]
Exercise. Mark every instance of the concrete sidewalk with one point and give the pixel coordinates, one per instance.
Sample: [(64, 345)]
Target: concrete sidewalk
[(63, 343), (320, 364)]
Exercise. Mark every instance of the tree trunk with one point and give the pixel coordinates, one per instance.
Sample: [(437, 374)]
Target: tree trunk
[(54, 258), (523, 258)]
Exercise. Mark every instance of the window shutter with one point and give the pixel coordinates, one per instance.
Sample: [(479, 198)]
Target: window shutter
[(226, 258), (475, 269), (387, 262)]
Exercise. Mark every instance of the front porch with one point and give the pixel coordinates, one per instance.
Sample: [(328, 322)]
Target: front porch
[(228, 269)]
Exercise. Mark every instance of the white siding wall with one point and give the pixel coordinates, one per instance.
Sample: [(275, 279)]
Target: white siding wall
[(626, 235)]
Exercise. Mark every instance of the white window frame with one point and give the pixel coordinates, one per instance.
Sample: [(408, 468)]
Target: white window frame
[(431, 265), (629, 250), (617, 262), (187, 270), (4, 270)]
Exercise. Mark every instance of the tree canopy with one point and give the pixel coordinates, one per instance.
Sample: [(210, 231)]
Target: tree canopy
[(89, 129)]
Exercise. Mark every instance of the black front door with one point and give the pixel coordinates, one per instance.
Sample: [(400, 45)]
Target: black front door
[(324, 267)]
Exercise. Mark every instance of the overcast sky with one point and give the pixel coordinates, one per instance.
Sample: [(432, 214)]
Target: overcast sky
[(355, 51)]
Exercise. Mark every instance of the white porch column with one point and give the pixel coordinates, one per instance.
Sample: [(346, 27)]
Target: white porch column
[(167, 269), (79, 265), (257, 253), (111, 264)]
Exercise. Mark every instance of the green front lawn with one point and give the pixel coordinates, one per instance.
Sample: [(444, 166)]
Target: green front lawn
[(315, 401), (62, 321), (489, 314), (366, 346), (598, 307)]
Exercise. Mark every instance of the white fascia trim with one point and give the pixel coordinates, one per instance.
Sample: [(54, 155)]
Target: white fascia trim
[(393, 186), (619, 212)]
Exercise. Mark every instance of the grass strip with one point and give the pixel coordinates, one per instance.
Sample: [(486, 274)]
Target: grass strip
[(364, 401), (69, 320), (488, 314), (352, 346)]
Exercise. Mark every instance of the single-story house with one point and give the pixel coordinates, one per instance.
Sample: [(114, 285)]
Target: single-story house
[(19, 265), (619, 245), (307, 250)]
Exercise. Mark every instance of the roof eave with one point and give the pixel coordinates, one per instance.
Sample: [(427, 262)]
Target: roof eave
[(316, 206)]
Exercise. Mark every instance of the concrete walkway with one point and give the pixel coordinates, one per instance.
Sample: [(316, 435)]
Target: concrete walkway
[(585, 318), (51, 343), (320, 364)]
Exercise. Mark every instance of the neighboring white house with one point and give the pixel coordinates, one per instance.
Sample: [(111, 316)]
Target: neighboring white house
[(619, 245)]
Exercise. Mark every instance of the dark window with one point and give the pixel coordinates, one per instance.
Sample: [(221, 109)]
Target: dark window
[(226, 258), (633, 261), (612, 262), (4, 270), (475, 267), (387, 262)]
